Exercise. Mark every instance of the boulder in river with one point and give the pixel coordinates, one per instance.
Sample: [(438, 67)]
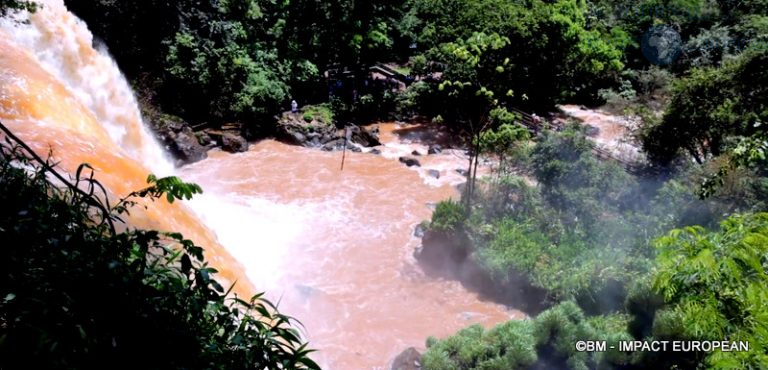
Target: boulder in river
[(177, 136), (416, 153), (204, 139), (292, 129), (419, 230), (375, 151), (337, 144), (434, 173), (435, 149), (410, 162), (299, 137), (365, 136), (410, 359), (233, 143)]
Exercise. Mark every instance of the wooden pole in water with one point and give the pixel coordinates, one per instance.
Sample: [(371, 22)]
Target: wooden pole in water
[(344, 152)]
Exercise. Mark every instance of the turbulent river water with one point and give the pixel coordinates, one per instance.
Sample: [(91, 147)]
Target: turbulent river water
[(334, 247)]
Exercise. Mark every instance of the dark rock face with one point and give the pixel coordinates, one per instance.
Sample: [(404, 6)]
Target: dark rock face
[(299, 138), (592, 131), (410, 162), (292, 129), (233, 143), (445, 251), (178, 138), (419, 231), (452, 255), (337, 144), (366, 136), (435, 149), (204, 139), (410, 359)]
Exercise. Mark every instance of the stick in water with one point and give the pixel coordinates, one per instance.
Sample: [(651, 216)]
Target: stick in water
[(344, 152)]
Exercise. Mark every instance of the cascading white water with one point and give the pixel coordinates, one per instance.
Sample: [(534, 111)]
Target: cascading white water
[(62, 44)]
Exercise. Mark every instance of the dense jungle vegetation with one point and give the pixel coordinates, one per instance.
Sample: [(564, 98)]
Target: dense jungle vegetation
[(677, 250)]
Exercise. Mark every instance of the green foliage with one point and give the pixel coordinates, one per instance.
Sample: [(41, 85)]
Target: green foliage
[(449, 215), (223, 58), (709, 106), (205, 61), (546, 341), (715, 283), (172, 187), (321, 112), (7, 6), (506, 135), (550, 56), (574, 181), (415, 99), (77, 294), (579, 228), (516, 245)]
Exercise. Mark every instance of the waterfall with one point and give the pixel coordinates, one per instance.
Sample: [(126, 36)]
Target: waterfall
[(63, 46)]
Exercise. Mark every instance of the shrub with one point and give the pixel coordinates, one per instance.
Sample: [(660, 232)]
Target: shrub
[(449, 215), (715, 283), (507, 346), (308, 117), (545, 342)]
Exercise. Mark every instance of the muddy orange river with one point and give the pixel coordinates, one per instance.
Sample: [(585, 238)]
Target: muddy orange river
[(334, 247)]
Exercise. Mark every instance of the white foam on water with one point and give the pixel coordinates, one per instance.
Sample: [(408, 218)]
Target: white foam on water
[(257, 232)]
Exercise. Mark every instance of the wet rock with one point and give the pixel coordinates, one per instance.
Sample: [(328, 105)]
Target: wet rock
[(467, 315), (375, 151), (366, 136), (434, 173), (462, 171), (410, 162), (410, 359), (591, 131), (435, 149), (233, 143), (337, 144), (204, 139), (178, 137), (292, 129), (416, 153), (299, 137), (354, 148), (419, 231)]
